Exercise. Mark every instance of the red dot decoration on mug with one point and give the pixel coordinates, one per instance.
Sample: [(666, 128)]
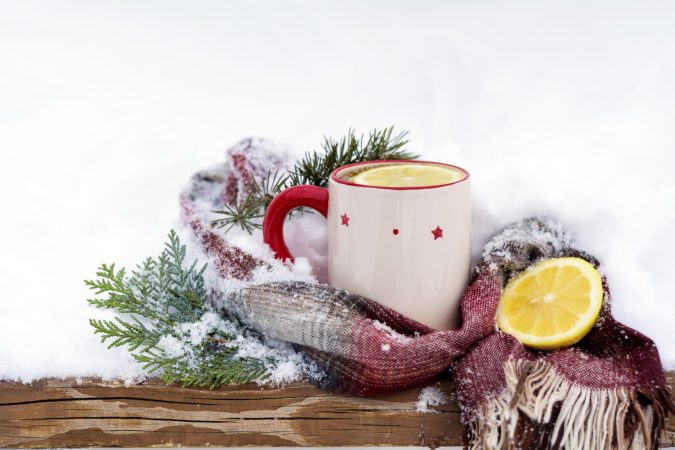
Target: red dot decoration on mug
[(395, 231)]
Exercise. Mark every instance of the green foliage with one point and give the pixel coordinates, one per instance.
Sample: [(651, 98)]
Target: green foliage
[(314, 168), (245, 214), (160, 302)]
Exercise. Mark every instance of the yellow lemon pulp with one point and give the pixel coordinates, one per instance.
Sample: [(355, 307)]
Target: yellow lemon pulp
[(408, 175), (552, 304)]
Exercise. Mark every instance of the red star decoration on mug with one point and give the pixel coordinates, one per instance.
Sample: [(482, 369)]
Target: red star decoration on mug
[(345, 219), (438, 233)]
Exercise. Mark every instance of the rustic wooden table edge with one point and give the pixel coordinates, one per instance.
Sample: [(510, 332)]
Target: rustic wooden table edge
[(90, 413)]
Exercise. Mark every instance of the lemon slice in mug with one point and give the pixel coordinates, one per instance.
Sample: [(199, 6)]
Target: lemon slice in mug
[(552, 304), (408, 175)]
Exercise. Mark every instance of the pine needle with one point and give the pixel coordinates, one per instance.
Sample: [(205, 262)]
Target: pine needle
[(315, 168)]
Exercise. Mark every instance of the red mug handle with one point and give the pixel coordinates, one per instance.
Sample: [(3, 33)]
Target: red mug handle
[(294, 197)]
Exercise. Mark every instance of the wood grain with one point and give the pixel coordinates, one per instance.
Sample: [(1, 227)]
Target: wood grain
[(65, 413)]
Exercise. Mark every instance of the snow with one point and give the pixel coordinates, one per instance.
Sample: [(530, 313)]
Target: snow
[(393, 334), (428, 397), (108, 108), (193, 333), (289, 364)]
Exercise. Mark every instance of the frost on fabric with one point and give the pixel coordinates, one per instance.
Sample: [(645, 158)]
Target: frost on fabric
[(428, 397), (544, 230), (395, 336), (207, 185), (288, 366), (544, 235), (251, 160)]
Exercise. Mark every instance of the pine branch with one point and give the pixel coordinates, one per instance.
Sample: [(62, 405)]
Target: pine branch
[(270, 186), (167, 323), (244, 214), (315, 169)]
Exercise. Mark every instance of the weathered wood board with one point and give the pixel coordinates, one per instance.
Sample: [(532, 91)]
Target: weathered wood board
[(64, 413)]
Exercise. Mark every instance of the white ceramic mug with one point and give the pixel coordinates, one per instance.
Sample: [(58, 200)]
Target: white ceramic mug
[(404, 247)]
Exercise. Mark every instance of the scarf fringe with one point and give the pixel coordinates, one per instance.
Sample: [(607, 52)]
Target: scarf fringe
[(540, 409)]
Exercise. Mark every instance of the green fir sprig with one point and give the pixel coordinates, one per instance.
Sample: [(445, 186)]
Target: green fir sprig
[(314, 169), (159, 305)]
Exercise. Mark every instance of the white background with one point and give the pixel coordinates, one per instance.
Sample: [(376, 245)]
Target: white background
[(107, 108)]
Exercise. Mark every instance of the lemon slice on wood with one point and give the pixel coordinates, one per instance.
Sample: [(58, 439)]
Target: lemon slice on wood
[(408, 175), (552, 304)]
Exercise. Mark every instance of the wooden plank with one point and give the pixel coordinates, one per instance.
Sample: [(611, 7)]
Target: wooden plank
[(64, 413)]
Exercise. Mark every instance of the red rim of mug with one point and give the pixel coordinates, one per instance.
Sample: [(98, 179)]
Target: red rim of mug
[(334, 177)]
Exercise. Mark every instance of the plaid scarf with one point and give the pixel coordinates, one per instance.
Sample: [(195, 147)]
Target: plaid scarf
[(608, 391)]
